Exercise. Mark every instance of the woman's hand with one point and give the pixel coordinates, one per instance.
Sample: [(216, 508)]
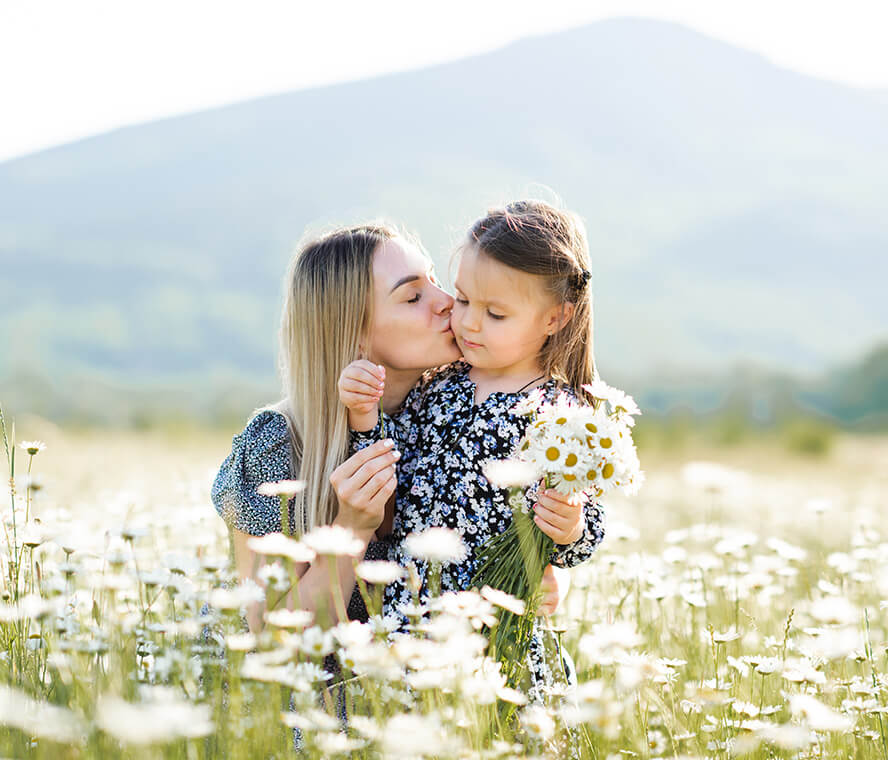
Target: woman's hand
[(554, 587), (363, 484), (360, 388), (560, 516)]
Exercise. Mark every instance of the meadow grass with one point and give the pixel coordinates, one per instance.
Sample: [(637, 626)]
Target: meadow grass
[(735, 609)]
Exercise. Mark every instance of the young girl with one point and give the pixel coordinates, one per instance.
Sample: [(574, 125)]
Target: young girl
[(523, 320)]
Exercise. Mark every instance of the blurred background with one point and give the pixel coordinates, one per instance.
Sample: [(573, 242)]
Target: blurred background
[(160, 162)]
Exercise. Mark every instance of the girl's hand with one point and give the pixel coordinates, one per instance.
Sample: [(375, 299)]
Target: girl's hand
[(363, 484), (360, 388), (555, 585), (559, 516)]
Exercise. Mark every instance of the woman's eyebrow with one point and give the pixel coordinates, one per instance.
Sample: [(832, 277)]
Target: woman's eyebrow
[(403, 281)]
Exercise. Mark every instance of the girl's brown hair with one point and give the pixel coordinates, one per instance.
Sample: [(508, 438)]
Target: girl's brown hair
[(534, 237)]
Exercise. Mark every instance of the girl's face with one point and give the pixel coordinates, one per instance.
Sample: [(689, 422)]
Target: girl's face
[(411, 313), (502, 316)]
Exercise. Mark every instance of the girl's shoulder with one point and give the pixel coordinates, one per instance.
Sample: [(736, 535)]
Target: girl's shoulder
[(554, 389), (437, 378)]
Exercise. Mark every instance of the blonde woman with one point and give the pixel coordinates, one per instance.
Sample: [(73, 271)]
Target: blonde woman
[(359, 291)]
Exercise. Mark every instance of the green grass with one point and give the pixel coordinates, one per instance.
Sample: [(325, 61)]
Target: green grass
[(694, 632)]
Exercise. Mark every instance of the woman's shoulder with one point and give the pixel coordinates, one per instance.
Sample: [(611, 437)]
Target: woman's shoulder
[(260, 453), (266, 431)]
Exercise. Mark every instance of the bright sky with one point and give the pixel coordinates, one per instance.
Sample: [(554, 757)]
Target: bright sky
[(73, 69)]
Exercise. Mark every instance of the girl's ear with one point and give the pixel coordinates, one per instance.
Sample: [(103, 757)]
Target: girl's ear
[(559, 316)]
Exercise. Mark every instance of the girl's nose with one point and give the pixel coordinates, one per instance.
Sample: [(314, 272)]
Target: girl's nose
[(471, 320)]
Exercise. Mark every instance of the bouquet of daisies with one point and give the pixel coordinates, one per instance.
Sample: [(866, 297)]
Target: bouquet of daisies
[(574, 447)]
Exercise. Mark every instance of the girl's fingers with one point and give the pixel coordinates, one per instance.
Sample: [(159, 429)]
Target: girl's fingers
[(552, 517), (363, 377), (550, 530), (366, 371), (556, 497), (359, 394)]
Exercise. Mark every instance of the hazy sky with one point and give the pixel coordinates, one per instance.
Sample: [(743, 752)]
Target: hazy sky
[(72, 68)]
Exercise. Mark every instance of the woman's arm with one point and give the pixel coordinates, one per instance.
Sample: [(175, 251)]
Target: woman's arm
[(554, 587), (363, 485)]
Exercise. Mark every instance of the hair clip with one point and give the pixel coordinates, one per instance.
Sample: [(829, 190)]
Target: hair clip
[(583, 278)]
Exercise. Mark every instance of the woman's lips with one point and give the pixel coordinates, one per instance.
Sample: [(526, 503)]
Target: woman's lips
[(469, 344)]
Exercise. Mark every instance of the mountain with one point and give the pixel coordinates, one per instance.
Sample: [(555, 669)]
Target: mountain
[(735, 209)]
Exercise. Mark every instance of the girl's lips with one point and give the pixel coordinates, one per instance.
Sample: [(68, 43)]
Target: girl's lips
[(469, 344)]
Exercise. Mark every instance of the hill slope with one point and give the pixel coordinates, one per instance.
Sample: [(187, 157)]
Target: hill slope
[(734, 208)]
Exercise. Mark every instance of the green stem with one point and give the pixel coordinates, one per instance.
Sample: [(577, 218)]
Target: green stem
[(285, 514)]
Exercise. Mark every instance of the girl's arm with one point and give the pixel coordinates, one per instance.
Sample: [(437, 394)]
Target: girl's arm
[(402, 425), (360, 389)]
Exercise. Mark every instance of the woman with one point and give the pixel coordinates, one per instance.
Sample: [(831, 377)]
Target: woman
[(361, 291)]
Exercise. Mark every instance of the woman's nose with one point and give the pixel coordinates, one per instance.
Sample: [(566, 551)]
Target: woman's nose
[(443, 302)]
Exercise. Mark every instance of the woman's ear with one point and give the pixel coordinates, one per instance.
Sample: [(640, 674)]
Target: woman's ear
[(559, 316)]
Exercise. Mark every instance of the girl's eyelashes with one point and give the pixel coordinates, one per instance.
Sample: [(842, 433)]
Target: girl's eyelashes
[(465, 302), (415, 298)]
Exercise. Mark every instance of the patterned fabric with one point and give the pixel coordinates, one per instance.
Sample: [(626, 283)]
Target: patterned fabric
[(445, 438), (261, 454)]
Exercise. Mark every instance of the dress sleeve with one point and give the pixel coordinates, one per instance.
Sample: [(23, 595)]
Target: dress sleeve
[(259, 454), (361, 439), (402, 423), (569, 555)]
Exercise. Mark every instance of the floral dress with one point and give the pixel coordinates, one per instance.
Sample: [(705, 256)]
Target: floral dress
[(445, 438)]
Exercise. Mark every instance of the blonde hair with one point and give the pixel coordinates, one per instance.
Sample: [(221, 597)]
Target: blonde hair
[(535, 237), (327, 312)]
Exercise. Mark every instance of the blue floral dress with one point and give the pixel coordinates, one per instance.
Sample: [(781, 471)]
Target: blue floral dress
[(261, 454), (445, 438)]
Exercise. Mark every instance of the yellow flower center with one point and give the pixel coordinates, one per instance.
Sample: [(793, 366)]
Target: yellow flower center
[(607, 470), (568, 477), (552, 453), (591, 474), (571, 460), (591, 428), (561, 421), (606, 443)]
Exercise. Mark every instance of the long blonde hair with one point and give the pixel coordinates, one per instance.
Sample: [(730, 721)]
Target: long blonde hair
[(327, 312)]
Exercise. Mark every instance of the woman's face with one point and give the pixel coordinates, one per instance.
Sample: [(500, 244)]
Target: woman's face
[(411, 313)]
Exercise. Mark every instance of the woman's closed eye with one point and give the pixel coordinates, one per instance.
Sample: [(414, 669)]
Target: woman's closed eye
[(415, 298), (496, 316)]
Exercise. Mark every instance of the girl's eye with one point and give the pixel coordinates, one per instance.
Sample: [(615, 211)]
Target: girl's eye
[(462, 301), (415, 299), (496, 316)]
